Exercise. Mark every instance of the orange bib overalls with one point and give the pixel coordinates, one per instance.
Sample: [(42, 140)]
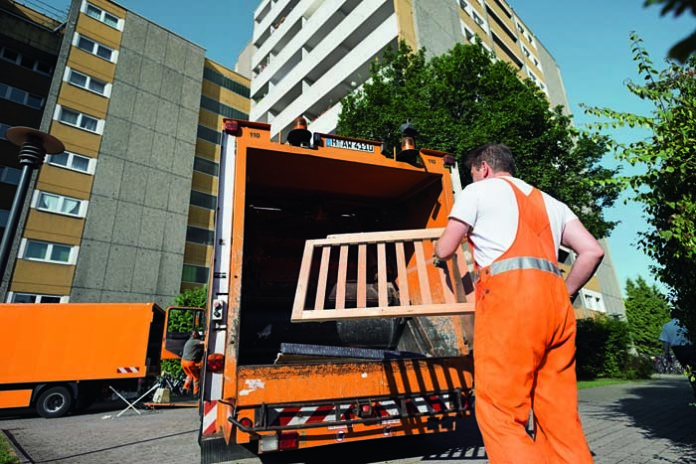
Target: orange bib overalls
[(524, 351)]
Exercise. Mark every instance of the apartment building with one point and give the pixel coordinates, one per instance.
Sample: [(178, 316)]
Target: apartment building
[(125, 213), (309, 54)]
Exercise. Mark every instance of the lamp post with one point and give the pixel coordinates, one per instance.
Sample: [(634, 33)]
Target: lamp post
[(34, 145)]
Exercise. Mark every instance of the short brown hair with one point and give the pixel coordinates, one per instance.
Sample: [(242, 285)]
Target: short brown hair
[(498, 156)]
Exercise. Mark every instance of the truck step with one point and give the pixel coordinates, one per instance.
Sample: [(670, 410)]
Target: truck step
[(344, 352)]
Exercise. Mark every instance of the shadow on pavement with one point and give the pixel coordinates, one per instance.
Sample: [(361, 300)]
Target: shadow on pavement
[(664, 409)]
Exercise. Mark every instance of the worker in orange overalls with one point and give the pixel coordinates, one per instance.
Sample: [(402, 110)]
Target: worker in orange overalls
[(524, 334), (191, 362)]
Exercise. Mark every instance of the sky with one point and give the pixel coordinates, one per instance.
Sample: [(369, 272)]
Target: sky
[(588, 39)]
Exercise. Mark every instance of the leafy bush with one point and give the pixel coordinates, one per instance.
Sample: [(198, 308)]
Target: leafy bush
[(603, 350)]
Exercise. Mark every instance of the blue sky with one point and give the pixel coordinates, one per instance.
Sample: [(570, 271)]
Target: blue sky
[(589, 40)]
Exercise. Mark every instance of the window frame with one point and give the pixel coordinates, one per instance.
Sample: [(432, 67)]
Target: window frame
[(95, 48), (25, 97), (72, 257), (82, 209), (58, 114), (102, 14), (4, 170), (39, 296), (91, 162), (88, 80), (18, 61)]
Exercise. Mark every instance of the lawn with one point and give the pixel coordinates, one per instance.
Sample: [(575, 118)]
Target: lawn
[(584, 384), (7, 455)]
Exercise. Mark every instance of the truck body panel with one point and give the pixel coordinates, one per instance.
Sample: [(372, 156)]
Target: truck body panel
[(288, 381), (72, 343)]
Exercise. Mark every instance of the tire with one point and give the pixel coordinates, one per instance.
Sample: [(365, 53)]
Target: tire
[(54, 402)]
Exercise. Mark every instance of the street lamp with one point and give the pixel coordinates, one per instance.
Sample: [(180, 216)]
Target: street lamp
[(34, 145)]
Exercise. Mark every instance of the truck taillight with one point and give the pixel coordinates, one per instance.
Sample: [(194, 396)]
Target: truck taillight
[(289, 440), (215, 363)]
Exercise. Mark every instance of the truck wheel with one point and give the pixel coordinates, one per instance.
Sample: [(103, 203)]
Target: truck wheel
[(54, 402)]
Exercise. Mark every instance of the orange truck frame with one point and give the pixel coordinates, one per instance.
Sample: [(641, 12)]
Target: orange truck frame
[(58, 357), (310, 348)]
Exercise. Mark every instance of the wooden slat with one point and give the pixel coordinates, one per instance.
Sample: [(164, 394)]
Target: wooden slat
[(382, 274), (445, 294), (362, 276), (421, 264), (303, 279), (404, 296), (341, 282), (376, 237), (391, 311), (323, 274)]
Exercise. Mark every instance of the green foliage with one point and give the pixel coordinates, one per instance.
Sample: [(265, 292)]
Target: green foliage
[(172, 367), (666, 184), (603, 350), (647, 310), (7, 455), (463, 99), (685, 47), (193, 298)]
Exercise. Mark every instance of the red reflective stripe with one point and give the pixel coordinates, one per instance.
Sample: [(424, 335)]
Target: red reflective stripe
[(320, 414)]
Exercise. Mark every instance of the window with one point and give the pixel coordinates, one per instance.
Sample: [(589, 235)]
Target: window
[(477, 19), (198, 235), (463, 5), (35, 298), (21, 96), (77, 119), (54, 203), (195, 274), (9, 175), (206, 166), (209, 134), (222, 109), (95, 48), (226, 82), (101, 15), (25, 61), (3, 130), (468, 34), (593, 300), (87, 82), (72, 161), (35, 250), (4, 216), (203, 200)]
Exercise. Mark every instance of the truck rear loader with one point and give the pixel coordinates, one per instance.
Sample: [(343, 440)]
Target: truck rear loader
[(328, 321), (60, 356)]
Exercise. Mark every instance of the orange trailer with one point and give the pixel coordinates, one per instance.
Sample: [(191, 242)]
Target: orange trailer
[(328, 322), (56, 357)]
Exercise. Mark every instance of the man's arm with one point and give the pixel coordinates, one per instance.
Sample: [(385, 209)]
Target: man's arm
[(589, 254), (451, 238)]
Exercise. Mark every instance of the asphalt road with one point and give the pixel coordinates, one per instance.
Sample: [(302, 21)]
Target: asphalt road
[(643, 423)]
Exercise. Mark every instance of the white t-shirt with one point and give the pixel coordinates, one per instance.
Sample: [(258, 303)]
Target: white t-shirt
[(490, 208), (674, 334)]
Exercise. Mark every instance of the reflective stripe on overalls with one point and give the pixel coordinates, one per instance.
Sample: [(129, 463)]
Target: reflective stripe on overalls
[(524, 349)]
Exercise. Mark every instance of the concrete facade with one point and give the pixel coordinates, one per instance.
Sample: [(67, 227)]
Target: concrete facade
[(134, 236)]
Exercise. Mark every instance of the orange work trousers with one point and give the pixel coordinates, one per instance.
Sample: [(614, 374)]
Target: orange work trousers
[(192, 369), (524, 350)]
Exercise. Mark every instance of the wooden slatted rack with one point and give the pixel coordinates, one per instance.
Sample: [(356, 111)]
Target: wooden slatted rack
[(406, 283)]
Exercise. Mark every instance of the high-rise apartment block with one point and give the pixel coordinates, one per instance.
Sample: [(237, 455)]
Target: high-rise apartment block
[(126, 213), (309, 54)]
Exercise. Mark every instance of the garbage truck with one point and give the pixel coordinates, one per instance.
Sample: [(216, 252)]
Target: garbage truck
[(328, 321), (59, 357)]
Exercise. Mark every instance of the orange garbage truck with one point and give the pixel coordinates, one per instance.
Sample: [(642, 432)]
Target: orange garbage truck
[(57, 357), (328, 321)]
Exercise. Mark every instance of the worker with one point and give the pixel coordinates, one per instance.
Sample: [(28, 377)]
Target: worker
[(674, 336), (191, 362), (524, 331)]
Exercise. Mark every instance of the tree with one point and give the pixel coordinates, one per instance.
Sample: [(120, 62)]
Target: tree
[(647, 310), (666, 185), (463, 99), (685, 47)]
